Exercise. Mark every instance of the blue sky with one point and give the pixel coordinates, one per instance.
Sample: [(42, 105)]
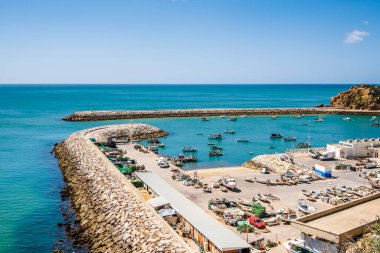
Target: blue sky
[(190, 41)]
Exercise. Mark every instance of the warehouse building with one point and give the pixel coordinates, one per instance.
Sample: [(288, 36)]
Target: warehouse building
[(203, 228), (359, 148)]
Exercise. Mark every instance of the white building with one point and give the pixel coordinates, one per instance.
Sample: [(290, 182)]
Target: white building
[(356, 148)]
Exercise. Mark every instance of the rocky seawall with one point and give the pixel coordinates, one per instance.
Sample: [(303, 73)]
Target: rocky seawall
[(138, 114), (113, 216)]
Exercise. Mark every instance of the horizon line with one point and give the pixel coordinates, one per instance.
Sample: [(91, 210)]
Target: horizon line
[(185, 84)]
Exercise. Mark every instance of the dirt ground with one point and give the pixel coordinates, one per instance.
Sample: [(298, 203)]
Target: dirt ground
[(288, 195)]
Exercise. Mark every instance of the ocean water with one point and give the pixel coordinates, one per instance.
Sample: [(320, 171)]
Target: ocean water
[(30, 124)]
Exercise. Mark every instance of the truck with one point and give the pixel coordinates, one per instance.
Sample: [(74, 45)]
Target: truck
[(370, 165), (327, 155)]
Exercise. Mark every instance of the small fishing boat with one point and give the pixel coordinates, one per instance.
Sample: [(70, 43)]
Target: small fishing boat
[(262, 181), (213, 147), (375, 123), (274, 117), (217, 205), (210, 143), (319, 119), (276, 136), (346, 118), (204, 119), (305, 208), (272, 147), (189, 149), (263, 198), (303, 145), (229, 131), (199, 134), (215, 136), (298, 116), (243, 116), (296, 246), (154, 141), (215, 153), (232, 119), (190, 158), (229, 183), (242, 140), (207, 188), (160, 145), (249, 179), (223, 189), (290, 138)]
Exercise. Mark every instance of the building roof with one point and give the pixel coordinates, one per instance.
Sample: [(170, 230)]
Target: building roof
[(217, 233), (342, 221), (157, 202)]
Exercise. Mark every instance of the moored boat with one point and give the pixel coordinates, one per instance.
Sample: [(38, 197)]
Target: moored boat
[(189, 149), (215, 136), (232, 119), (319, 119), (229, 131), (242, 140), (215, 153), (303, 145), (290, 138), (213, 147), (204, 119), (276, 136)]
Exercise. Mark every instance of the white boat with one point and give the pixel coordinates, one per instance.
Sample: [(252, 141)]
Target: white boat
[(296, 246), (242, 140), (232, 119), (319, 119), (229, 183), (346, 118), (305, 208), (204, 119), (274, 117)]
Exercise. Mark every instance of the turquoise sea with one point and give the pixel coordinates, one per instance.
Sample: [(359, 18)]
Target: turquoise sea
[(30, 124)]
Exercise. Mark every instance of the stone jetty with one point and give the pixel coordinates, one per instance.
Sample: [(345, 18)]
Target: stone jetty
[(138, 114), (113, 216)]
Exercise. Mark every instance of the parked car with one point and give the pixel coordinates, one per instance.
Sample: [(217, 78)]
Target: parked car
[(264, 170), (256, 222), (164, 164)]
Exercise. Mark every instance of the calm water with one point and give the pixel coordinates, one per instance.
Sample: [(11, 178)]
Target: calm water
[(30, 124)]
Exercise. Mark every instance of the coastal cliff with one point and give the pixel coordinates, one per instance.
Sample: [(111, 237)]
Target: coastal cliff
[(361, 97), (113, 216)]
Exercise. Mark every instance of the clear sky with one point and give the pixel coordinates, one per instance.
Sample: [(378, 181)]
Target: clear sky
[(190, 41)]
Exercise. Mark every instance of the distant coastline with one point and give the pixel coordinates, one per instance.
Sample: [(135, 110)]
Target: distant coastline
[(178, 113)]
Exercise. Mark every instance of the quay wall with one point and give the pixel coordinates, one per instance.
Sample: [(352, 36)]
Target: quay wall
[(137, 114), (112, 215)]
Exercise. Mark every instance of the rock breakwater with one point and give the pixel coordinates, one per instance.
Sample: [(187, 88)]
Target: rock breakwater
[(113, 216), (138, 114)]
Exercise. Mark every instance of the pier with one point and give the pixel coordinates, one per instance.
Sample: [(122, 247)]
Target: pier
[(177, 113)]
